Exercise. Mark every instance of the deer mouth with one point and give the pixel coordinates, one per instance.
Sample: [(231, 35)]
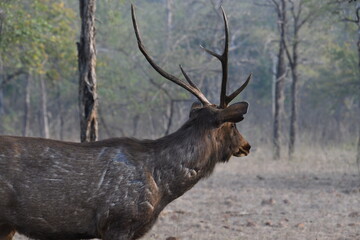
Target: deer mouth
[(241, 153)]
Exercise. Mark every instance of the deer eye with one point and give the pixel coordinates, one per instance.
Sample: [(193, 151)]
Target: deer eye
[(233, 125)]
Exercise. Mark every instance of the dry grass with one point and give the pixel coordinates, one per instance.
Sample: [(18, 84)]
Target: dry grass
[(314, 196)]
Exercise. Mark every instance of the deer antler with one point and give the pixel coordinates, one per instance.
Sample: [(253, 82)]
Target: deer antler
[(223, 58), (190, 86)]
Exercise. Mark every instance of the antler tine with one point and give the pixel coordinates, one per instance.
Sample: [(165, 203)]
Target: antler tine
[(224, 63), (211, 52), (191, 88), (223, 58), (188, 78), (228, 99), (224, 99)]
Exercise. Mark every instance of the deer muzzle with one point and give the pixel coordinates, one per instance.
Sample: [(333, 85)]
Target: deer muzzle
[(243, 151)]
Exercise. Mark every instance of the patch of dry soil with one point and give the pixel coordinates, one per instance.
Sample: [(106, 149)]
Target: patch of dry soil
[(258, 198)]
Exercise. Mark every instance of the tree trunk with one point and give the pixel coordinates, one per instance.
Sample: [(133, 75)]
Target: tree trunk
[(171, 115), (136, 119), (1, 89), (358, 148), (274, 59), (294, 92), (61, 127), (293, 117), (169, 4), (60, 112), (88, 100), (25, 129), (358, 48), (44, 112), (280, 82), (1, 110)]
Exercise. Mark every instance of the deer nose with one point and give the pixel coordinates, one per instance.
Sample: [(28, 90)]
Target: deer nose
[(247, 147)]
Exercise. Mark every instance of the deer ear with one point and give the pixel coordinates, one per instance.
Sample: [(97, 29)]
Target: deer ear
[(233, 113), (195, 106)]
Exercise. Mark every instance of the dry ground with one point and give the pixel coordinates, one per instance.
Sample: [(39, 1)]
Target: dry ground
[(314, 197)]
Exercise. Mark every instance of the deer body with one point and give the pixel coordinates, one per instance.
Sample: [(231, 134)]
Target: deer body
[(115, 189), (70, 190), (84, 190)]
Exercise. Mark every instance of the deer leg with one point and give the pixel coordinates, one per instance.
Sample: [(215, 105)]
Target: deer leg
[(116, 235), (6, 232), (116, 232)]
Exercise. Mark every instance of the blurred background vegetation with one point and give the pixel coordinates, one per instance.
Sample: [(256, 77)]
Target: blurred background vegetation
[(39, 78)]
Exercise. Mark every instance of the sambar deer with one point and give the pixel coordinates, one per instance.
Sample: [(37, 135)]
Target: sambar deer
[(114, 189)]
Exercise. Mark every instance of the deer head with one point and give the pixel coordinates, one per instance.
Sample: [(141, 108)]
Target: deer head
[(219, 121)]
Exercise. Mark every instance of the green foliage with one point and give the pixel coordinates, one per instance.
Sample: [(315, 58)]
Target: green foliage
[(341, 80), (36, 36)]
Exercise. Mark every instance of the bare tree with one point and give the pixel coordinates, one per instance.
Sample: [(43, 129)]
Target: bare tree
[(1, 64), (358, 48), (169, 25), (88, 100), (299, 18), (357, 21), (279, 98)]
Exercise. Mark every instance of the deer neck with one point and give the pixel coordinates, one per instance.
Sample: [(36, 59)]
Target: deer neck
[(183, 158)]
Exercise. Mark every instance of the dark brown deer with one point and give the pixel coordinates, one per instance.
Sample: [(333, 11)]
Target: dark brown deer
[(115, 189)]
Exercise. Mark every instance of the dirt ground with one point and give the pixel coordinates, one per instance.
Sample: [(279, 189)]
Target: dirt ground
[(315, 196)]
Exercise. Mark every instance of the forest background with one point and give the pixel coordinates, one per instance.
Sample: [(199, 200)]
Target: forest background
[(39, 72)]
